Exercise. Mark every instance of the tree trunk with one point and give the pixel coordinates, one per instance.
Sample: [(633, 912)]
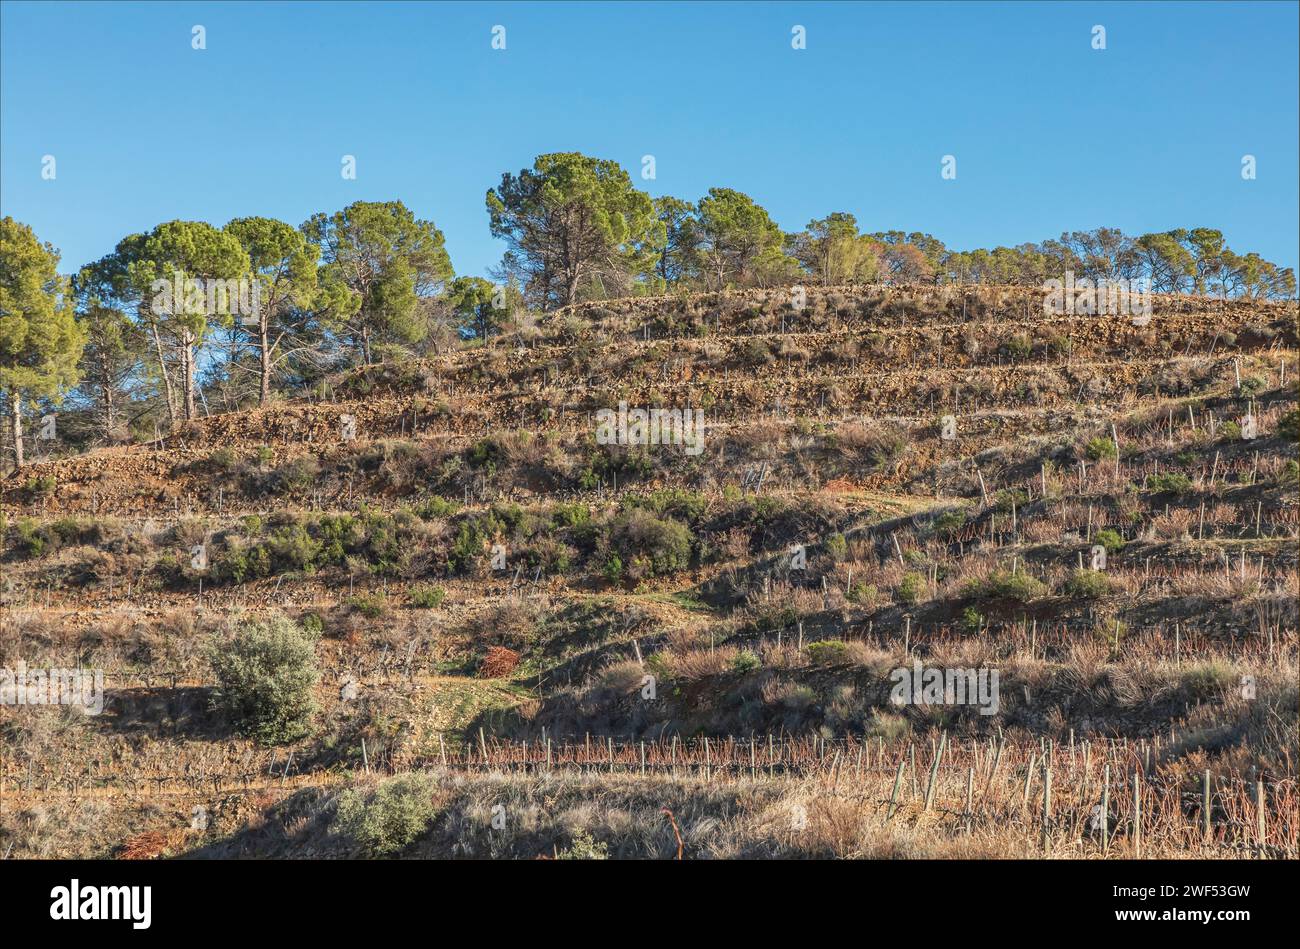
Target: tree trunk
[(187, 363), (16, 420), (110, 412), (265, 395), (162, 370)]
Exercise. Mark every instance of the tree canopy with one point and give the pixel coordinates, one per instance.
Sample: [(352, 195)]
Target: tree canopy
[(575, 226), (385, 260), (40, 341)]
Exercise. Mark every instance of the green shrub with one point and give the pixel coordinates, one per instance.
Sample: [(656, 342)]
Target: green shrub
[(664, 545), (949, 521), (864, 594), (1018, 347), (391, 540), (1100, 448), (468, 546), (1006, 499), (427, 597), (242, 563), (1207, 680), (972, 620), (828, 652), (584, 847), (390, 817), (296, 476), (745, 661), (434, 508), (265, 676), (1109, 539), (338, 535), (1169, 482), (1087, 584), (837, 546), (910, 589), (222, 461), (486, 455), (292, 547), (31, 538), (40, 485), (685, 506), (1004, 585), (570, 515), (369, 605)]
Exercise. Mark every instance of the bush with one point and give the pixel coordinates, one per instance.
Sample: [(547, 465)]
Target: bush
[(864, 594), (222, 461), (472, 536), (1099, 448), (686, 506), (1169, 482), (1007, 500), (1110, 540), (1018, 347), (828, 652), (745, 661), (244, 563), (264, 679), (584, 847), (1087, 584), (291, 547), (427, 597), (570, 515), (435, 507), (661, 545), (1004, 585), (1207, 680), (296, 476), (837, 547), (369, 605), (388, 819), (31, 538), (949, 521), (40, 485), (910, 589)]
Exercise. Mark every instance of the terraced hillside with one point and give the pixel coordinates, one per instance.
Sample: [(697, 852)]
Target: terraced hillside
[(530, 643)]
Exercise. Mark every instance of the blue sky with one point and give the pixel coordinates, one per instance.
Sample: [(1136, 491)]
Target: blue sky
[(1049, 134)]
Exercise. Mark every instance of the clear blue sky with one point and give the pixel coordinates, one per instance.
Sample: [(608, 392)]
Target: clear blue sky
[(1049, 135)]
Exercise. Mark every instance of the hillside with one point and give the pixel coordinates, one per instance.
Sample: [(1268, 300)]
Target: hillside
[(489, 587)]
